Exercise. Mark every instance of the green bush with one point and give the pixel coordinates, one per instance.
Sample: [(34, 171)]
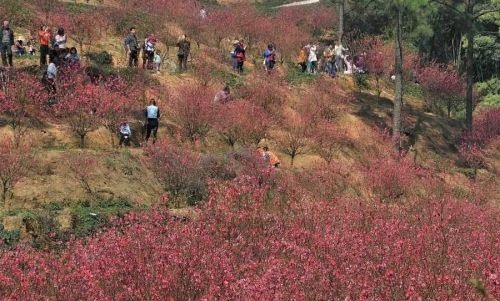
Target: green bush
[(413, 89), (230, 79), (490, 92), (101, 58), (87, 218), (86, 221), (361, 80), (295, 76), (8, 238)]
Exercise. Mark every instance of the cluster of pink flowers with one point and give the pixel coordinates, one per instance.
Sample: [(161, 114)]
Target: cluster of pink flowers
[(249, 242)]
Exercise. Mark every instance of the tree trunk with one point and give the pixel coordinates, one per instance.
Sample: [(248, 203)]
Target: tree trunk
[(398, 93), (470, 77), (5, 189), (341, 9), (82, 141)]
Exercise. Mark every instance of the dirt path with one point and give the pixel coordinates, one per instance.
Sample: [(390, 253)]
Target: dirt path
[(305, 2)]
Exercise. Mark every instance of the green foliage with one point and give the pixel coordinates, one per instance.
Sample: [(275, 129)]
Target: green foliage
[(295, 76), (361, 80), (413, 89), (490, 92), (101, 58), (16, 11), (85, 221), (73, 7), (87, 218), (141, 20), (479, 286), (54, 206), (8, 238), (230, 79)]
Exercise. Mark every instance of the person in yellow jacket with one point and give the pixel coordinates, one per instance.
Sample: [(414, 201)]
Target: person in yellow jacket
[(302, 58)]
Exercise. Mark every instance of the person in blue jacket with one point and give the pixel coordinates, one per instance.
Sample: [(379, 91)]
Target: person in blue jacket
[(270, 57)]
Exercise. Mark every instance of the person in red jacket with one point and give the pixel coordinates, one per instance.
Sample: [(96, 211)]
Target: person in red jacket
[(44, 37), (239, 52)]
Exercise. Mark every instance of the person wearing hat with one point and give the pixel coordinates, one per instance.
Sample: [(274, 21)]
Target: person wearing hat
[(125, 133), (6, 43)]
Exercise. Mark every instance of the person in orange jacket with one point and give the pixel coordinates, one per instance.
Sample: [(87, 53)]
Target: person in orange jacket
[(302, 58), (268, 156)]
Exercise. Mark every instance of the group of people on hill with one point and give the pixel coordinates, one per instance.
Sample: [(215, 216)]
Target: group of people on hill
[(151, 57), (334, 60), (238, 56), (151, 124)]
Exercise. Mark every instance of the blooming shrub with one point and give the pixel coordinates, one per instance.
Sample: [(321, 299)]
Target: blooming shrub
[(15, 163), (392, 178), (443, 86), (485, 132), (193, 112), (245, 245)]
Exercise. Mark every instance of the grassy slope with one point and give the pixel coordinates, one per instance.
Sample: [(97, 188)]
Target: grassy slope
[(122, 174)]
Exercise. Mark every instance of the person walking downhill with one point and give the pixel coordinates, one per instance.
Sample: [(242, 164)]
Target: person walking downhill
[(152, 115), (125, 134), (44, 38), (132, 47), (6, 43), (149, 52), (270, 58), (183, 52), (157, 61)]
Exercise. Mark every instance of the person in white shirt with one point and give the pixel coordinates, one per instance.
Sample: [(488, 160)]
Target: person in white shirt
[(313, 59), (60, 39), (339, 55), (51, 76), (349, 65)]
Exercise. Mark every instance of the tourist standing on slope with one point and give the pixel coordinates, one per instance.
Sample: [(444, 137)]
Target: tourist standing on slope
[(328, 56), (302, 59), (152, 114), (44, 38), (234, 61), (7, 36), (313, 59), (132, 47), (339, 56), (270, 57), (239, 51), (183, 53)]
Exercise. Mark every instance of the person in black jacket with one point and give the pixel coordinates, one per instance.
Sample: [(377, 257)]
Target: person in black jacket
[(132, 48), (184, 49), (6, 43)]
